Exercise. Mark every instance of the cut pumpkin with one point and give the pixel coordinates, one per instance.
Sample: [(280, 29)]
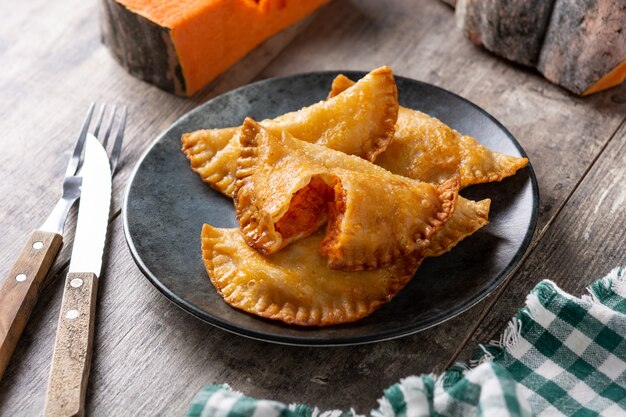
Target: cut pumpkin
[(585, 46), (577, 44), (513, 29), (181, 45)]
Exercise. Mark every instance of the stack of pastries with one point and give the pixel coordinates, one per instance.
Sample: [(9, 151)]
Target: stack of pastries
[(338, 203)]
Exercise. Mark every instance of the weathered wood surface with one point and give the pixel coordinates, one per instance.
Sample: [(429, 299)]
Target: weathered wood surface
[(586, 240), (149, 356)]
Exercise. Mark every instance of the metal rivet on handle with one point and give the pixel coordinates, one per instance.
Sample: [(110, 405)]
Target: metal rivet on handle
[(71, 314), (76, 282), (38, 245), (20, 277)]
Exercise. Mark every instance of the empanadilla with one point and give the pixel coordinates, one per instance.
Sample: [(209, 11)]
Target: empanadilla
[(360, 122), (295, 285), (468, 217), (287, 188), (425, 149)]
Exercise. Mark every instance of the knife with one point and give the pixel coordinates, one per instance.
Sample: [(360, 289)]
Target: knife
[(21, 288), (71, 359)]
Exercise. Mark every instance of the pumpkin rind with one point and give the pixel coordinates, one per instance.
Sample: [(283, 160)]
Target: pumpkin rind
[(513, 29), (584, 43), (142, 47)]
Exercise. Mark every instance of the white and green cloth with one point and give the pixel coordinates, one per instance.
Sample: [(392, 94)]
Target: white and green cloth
[(560, 356)]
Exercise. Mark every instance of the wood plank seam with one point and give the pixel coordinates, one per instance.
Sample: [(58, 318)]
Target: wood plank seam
[(167, 347), (491, 304)]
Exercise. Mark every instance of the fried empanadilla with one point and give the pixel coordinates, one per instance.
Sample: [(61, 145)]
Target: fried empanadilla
[(468, 217), (425, 149), (295, 285), (360, 122), (287, 188)]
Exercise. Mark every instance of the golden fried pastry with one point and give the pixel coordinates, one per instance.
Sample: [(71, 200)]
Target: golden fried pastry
[(468, 217), (295, 284), (213, 155), (287, 188), (425, 149), (360, 122)]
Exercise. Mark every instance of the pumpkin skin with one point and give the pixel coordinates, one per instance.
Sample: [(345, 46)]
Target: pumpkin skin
[(513, 29), (182, 45), (585, 45), (577, 44)]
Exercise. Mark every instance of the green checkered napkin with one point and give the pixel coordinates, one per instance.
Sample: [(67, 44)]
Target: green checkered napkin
[(559, 356)]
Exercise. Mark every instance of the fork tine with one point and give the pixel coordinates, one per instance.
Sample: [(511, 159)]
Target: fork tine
[(72, 165), (117, 145), (99, 120), (105, 140)]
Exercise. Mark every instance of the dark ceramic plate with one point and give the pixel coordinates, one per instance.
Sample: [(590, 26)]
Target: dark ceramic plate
[(166, 204)]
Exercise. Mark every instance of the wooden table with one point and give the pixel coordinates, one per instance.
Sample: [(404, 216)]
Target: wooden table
[(150, 357)]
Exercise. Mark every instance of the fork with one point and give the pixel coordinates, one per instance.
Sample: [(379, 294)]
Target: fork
[(21, 288)]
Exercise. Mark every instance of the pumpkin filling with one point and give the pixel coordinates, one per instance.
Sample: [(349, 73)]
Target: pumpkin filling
[(308, 210), (335, 217)]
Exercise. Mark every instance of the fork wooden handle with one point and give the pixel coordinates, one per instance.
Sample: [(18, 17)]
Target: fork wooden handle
[(71, 359), (20, 289)]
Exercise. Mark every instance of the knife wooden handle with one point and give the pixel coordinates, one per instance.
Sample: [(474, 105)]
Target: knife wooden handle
[(20, 289), (71, 359)]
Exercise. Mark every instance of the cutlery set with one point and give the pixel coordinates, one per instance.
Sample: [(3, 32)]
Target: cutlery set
[(88, 178)]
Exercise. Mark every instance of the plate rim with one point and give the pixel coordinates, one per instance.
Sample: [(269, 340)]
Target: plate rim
[(188, 307)]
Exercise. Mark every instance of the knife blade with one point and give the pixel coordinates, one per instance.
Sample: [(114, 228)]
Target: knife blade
[(23, 284), (93, 211), (71, 359)]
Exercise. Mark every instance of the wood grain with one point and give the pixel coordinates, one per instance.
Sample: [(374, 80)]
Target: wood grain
[(586, 241), (71, 359), (150, 357), (20, 290)]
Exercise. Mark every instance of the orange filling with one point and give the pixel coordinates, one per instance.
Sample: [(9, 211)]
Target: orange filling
[(335, 216), (307, 210)]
